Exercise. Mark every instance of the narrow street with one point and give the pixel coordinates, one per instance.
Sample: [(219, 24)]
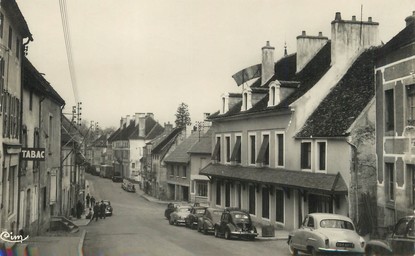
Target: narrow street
[(138, 227)]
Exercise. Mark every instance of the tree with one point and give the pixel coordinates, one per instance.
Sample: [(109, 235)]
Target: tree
[(183, 116)]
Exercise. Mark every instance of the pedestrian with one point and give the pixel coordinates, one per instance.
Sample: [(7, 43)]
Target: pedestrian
[(102, 208), (96, 212), (92, 201), (79, 209), (87, 200)]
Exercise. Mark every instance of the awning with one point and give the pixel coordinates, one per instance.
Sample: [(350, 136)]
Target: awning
[(317, 182)]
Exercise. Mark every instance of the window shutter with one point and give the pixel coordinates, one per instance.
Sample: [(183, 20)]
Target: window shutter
[(262, 150), (236, 148)]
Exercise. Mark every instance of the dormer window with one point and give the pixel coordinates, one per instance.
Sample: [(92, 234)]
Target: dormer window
[(246, 100), (274, 94), (225, 103)]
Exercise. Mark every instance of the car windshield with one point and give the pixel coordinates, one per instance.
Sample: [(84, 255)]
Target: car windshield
[(333, 223), (200, 211)]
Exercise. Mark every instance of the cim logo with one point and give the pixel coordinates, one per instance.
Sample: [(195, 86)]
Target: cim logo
[(33, 154), (9, 237)]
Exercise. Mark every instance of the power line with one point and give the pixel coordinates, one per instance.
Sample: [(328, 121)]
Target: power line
[(67, 38)]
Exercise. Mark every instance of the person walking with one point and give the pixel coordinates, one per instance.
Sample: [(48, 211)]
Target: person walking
[(87, 200), (92, 201), (102, 208), (96, 212)]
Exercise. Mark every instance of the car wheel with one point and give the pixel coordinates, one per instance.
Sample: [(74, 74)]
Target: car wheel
[(175, 222), (170, 221), (216, 232), (205, 230), (292, 250), (227, 235), (371, 252), (314, 252)]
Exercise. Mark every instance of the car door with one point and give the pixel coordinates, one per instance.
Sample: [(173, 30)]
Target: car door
[(299, 240), (402, 241)]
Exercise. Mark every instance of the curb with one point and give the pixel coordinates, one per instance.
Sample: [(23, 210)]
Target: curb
[(81, 243)]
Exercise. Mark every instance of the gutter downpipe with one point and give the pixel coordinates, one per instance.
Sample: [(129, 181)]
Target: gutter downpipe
[(38, 188), (354, 159), (61, 165)]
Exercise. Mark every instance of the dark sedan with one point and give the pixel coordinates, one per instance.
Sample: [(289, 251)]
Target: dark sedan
[(195, 213), (108, 208), (207, 222), (236, 223), (400, 242)]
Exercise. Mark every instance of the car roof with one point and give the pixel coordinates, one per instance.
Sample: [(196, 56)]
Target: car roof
[(320, 216), (211, 209)]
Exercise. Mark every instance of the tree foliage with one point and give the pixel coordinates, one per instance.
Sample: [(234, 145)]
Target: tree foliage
[(183, 116)]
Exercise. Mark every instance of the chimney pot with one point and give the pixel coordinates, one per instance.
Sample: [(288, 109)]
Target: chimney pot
[(320, 34), (338, 16), (303, 33), (410, 19), (369, 19), (354, 18), (268, 43)]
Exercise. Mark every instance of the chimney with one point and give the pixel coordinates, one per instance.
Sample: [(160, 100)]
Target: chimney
[(150, 115), (350, 37), (122, 122), (410, 19), (141, 126), (308, 47), (127, 120), (168, 127), (268, 64)]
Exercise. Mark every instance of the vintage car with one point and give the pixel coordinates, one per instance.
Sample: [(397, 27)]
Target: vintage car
[(206, 223), (326, 233), (169, 210), (108, 208), (235, 223), (116, 178), (178, 216), (128, 186), (195, 213), (400, 242)]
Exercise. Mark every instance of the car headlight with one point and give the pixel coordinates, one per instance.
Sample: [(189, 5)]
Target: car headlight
[(362, 242)]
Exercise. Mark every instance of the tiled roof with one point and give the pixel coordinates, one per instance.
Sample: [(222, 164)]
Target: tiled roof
[(17, 17), (337, 112), (285, 71), (101, 141), (317, 182), (163, 142), (130, 131), (69, 132), (404, 37), (155, 131), (204, 145), (34, 80), (180, 153)]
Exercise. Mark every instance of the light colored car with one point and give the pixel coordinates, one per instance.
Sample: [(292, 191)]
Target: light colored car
[(325, 233), (178, 216)]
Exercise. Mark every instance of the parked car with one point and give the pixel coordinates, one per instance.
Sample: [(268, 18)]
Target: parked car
[(195, 213), (179, 214), (128, 186), (235, 223), (400, 242), (207, 222), (116, 178), (108, 208), (325, 233), (169, 210)]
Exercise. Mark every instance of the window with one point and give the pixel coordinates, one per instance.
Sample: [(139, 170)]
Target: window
[(218, 193), (306, 155), (202, 188), (184, 172), (2, 66), (280, 149), (1, 24), (265, 202), (171, 171), (321, 150), (36, 164), (252, 197), (12, 171), (274, 95), (228, 148), (263, 155), (245, 101), (216, 151), (50, 131), (177, 171), (252, 149), (17, 48), (279, 205), (44, 196), (389, 171), (227, 194), (236, 153), (10, 38), (133, 165), (389, 110), (411, 105), (24, 145)]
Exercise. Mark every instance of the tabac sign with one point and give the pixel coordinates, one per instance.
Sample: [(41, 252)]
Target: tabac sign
[(37, 154)]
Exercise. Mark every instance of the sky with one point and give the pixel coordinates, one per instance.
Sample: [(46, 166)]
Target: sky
[(140, 56)]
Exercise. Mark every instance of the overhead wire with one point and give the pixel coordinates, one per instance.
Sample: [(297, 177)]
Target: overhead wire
[(68, 46)]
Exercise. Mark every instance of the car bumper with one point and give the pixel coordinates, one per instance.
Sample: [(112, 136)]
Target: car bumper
[(341, 251), (244, 234)]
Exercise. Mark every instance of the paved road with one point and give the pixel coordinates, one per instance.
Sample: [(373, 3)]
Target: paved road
[(138, 227)]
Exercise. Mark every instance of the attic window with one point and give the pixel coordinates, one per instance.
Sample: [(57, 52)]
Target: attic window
[(274, 95), (246, 100)]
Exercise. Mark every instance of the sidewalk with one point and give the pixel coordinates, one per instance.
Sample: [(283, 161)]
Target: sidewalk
[(280, 234)]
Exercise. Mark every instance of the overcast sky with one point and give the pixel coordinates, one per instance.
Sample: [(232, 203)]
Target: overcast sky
[(150, 55)]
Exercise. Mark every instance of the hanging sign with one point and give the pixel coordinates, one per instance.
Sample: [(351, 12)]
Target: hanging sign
[(33, 154)]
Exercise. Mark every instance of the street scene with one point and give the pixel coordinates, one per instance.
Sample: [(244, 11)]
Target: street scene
[(186, 127)]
